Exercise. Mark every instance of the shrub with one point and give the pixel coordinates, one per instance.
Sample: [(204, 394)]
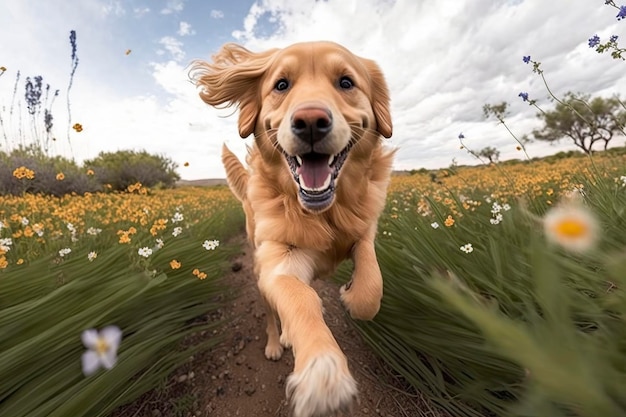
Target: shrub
[(123, 168), (52, 175)]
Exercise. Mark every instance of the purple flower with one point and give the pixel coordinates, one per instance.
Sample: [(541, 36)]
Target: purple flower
[(461, 136), (614, 38), (622, 13), (526, 59), (594, 41), (523, 95)]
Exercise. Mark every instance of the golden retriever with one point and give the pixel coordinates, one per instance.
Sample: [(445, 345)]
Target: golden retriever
[(313, 192)]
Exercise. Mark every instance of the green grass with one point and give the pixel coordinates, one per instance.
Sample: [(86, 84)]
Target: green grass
[(45, 306), (518, 327)]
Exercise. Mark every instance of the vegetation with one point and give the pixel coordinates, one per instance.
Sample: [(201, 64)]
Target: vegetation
[(584, 121), (485, 314), (148, 264)]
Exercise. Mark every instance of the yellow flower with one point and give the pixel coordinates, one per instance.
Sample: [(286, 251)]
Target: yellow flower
[(128, 51), (3, 262), (60, 176), (19, 261), (186, 164), (449, 222), (3, 69), (175, 264), (572, 226), (519, 148), (202, 275), (90, 172), (196, 272), (77, 127), (23, 172)]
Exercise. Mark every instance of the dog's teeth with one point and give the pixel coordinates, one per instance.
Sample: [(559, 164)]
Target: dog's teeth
[(331, 160), (299, 159)]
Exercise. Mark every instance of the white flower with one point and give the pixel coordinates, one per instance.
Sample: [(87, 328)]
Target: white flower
[(159, 243), (434, 225), (622, 179), (2, 225), (5, 244), (145, 252), (101, 348), (506, 206), (177, 231), (496, 208), (467, 248), (64, 251), (178, 217), (572, 226), (93, 231), (71, 227), (211, 244), (25, 221), (91, 256)]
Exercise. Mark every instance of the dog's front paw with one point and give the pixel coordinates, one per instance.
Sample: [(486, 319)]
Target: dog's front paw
[(362, 305), (323, 388), (273, 350)]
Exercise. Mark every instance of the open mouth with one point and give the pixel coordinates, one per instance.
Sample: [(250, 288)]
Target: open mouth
[(315, 174)]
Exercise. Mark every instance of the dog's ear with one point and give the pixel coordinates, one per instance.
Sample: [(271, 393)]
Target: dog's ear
[(379, 98), (233, 78)]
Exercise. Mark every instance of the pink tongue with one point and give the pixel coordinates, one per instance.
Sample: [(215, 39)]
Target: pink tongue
[(314, 171)]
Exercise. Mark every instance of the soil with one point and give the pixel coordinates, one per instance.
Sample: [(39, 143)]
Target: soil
[(235, 378)]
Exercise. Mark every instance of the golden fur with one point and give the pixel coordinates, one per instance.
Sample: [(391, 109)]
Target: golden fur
[(296, 240)]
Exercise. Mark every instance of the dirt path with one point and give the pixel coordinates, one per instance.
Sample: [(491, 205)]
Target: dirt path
[(235, 379)]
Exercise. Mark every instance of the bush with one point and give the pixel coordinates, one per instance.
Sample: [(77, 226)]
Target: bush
[(50, 175), (59, 176), (123, 168)]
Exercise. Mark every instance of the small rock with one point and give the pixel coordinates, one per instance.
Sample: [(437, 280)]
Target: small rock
[(156, 413), (249, 389), (182, 378)]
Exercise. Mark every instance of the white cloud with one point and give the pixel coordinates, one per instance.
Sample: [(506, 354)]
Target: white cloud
[(173, 6), (217, 14), (184, 29), (173, 46), (141, 11), (113, 7)]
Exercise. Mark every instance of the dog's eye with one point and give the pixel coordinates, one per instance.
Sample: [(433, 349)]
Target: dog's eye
[(281, 85), (346, 83)]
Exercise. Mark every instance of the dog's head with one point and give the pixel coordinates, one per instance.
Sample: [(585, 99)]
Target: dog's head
[(311, 105)]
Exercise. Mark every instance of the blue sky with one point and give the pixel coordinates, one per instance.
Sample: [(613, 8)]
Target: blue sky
[(444, 59)]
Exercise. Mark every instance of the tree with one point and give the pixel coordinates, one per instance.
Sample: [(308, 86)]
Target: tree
[(584, 120), (490, 153)]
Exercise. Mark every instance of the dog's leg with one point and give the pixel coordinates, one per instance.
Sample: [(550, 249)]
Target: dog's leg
[(273, 348), (362, 295), (321, 383)]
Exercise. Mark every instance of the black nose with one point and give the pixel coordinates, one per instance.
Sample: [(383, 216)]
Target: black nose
[(311, 124)]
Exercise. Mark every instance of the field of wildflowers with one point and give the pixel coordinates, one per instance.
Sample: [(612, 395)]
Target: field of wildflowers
[(504, 287), (114, 281)]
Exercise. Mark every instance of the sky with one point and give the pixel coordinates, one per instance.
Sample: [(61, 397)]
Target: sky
[(443, 60)]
